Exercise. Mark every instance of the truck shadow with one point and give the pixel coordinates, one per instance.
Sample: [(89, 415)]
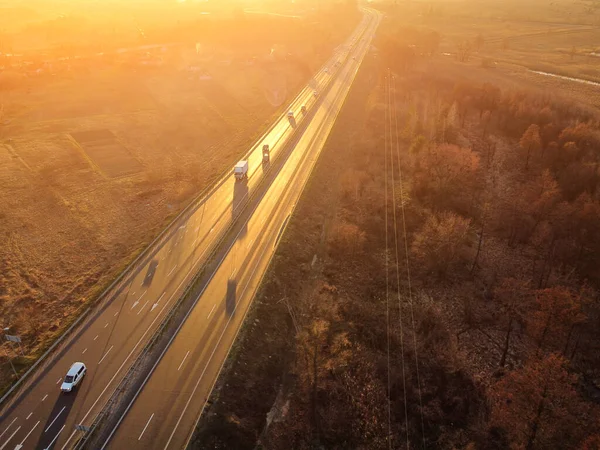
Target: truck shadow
[(230, 297), (240, 197)]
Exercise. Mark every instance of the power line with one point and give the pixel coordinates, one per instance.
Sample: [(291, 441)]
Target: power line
[(397, 261), (387, 284), (410, 296)]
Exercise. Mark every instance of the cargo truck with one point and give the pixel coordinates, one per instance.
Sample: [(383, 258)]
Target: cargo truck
[(240, 170)]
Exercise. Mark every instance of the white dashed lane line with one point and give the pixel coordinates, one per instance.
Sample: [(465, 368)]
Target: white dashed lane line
[(45, 397), (56, 437), (84, 350), (96, 337), (52, 423), (147, 423), (10, 437), (9, 425), (211, 311), (30, 431), (106, 354), (184, 358)]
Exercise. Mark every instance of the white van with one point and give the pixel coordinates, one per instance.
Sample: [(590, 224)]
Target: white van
[(74, 377)]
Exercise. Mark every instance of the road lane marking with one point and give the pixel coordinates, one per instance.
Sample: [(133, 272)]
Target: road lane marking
[(172, 270), (142, 308), (34, 427), (9, 425), (115, 314), (211, 230), (10, 437), (233, 272), (147, 423), (55, 438), (97, 336), (251, 242), (84, 350), (106, 354), (58, 380), (157, 302), (45, 397), (52, 423), (211, 311), (137, 302), (184, 358), (27, 418)]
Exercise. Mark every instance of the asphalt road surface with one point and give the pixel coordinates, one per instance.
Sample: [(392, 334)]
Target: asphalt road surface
[(165, 412), (111, 338)]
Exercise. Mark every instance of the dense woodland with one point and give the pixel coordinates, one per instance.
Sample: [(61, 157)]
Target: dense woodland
[(493, 343)]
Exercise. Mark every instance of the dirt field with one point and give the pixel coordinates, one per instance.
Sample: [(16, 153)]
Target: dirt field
[(97, 156)]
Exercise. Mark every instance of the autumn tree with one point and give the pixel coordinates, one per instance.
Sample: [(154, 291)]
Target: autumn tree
[(537, 405), (530, 142), (447, 175), (514, 297), (559, 310), (347, 239), (441, 242)]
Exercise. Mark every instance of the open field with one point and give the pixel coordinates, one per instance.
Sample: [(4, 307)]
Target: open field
[(558, 37), (96, 156)]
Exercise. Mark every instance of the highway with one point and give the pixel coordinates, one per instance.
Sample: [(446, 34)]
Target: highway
[(166, 409), (110, 339)]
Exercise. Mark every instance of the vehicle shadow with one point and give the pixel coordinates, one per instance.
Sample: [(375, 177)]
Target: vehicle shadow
[(240, 197), (57, 418), (293, 122), (230, 297), (150, 273)]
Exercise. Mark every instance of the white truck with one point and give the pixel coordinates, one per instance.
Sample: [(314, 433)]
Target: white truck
[(240, 171)]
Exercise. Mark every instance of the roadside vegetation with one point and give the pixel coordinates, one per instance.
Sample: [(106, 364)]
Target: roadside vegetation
[(492, 342), (98, 152)]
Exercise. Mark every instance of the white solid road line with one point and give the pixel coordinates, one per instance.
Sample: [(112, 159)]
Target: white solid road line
[(10, 437), (31, 431), (55, 438), (184, 358), (211, 311), (27, 418), (9, 425), (52, 423), (147, 423), (45, 397), (106, 354)]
